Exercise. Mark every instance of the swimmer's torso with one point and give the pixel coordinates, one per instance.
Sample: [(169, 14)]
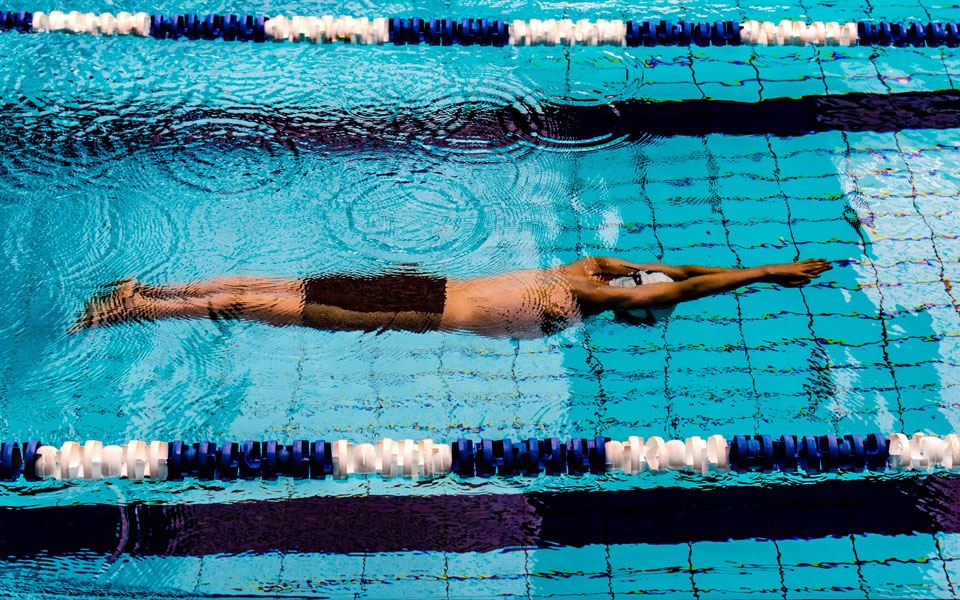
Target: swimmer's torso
[(525, 304)]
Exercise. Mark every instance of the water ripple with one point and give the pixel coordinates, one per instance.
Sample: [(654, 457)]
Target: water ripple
[(418, 212), (220, 155)]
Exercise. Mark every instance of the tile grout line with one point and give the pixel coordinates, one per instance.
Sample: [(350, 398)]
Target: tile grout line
[(943, 563), (716, 204), (602, 397), (641, 162), (776, 545), (820, 348), (885, 347), (593, 363), (943, 61)]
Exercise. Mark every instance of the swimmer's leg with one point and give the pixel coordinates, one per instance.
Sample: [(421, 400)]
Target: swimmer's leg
[(273, 309), (224, 285)]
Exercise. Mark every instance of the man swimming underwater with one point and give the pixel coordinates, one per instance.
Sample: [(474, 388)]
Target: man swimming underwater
[(523, 304)]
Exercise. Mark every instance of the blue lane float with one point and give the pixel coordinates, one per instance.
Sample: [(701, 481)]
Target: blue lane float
[(466, 458), (485, 32)]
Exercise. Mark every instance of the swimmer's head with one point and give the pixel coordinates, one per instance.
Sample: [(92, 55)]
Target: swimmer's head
[(643, 316)]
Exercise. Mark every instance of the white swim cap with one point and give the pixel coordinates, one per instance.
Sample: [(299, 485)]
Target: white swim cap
[(645, 277)]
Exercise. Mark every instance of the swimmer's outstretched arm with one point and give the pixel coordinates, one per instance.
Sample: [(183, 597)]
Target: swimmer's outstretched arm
[(682, 272), (619, 267), (700, 286)]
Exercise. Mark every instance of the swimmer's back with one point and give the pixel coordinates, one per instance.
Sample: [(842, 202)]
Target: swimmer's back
[(524, 304)]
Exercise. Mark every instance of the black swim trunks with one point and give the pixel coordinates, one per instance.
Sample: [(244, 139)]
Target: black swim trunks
[(392, 301)]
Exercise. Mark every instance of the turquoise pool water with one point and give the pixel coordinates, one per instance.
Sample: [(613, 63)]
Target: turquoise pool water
[(174, 162)]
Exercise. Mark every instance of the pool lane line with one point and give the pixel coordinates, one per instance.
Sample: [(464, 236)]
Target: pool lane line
[(486, 32), (492, 522), (505, 458)]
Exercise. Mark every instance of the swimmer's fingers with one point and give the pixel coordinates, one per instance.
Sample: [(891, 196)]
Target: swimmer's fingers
[(817, 267)]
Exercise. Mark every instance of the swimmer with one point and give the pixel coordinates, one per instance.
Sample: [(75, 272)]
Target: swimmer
[(522, 304)]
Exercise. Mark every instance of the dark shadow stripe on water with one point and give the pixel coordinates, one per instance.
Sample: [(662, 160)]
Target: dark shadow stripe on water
[(853, 112), (96, 128), (483, 523)]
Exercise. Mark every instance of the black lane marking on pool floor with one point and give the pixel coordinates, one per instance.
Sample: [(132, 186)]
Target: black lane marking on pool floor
[(462, 523), (472, 125)]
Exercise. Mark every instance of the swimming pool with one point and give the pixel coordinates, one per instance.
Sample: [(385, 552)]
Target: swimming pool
[(180, 161)]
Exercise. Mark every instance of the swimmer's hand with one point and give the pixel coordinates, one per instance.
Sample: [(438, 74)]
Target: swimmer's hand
[(796, 274)]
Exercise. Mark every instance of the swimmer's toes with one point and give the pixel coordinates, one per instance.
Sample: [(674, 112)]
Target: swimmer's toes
[(88, 319), (81, 324)]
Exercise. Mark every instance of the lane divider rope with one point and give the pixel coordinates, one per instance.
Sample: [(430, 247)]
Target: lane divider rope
[(485, 32), (423, 459)]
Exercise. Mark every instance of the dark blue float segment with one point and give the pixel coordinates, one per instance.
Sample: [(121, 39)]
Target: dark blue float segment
[(447, 32), (440, 32), (951, 34), (666, 36), (530, 457), (277, 461), (902, 34), (177, 461), (30, 460), (811, 454), (701, 34), (876, 451), (898, 34), (752, 453), (506, 456), (270, 462), (20, 21), (829, 453), (229, 463), (486, 464), (553, 456), (786, 453), (464, 457), (321, 460), (300, 459), (211, 27), (191, 27), (207, 460), (243, 28), (633, 33), (250, 461), (682, 33), (578, 456), (917, 34), (598, 454), (725, 33), (11, 461), (230, 27)]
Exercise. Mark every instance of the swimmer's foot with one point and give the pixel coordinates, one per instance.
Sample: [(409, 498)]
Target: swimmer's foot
[(111, 307), (141, 289)]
